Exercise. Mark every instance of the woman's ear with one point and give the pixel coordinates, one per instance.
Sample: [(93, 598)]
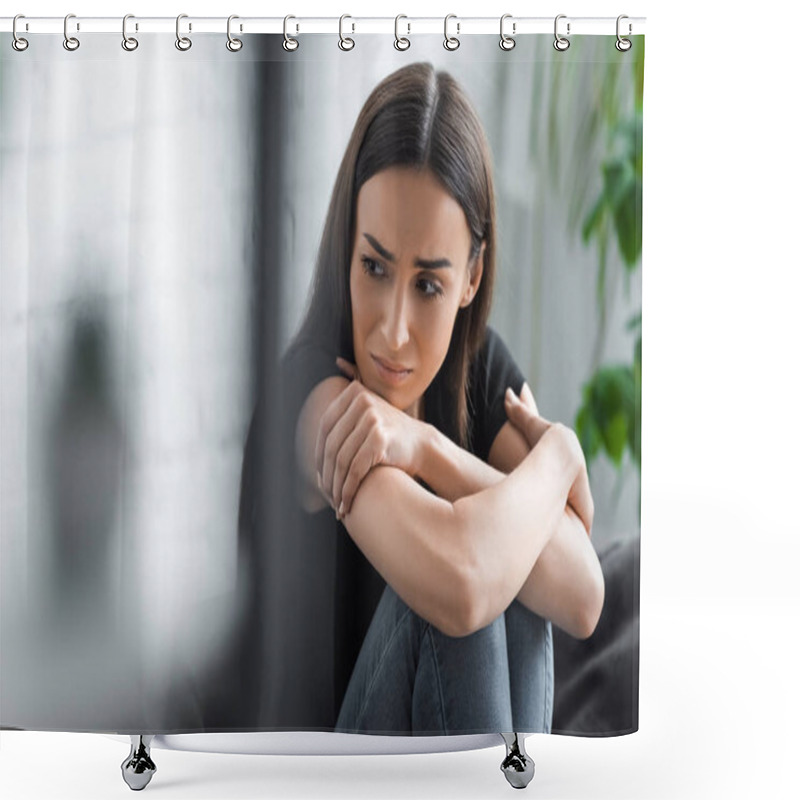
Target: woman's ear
[(475, 275)]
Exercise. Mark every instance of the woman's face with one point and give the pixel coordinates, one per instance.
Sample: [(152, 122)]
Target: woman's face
[(409, 276)]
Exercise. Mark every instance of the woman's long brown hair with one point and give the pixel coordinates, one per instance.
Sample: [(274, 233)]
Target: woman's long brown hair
[(415, 117)]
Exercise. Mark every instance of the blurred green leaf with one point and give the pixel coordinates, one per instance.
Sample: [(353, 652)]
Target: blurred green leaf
[(638, 69), (616, 437), (608, 418), (636, 428), (581, 119), (617, 180), (621, 194), (593, 220), (589, 435), (628, 224)]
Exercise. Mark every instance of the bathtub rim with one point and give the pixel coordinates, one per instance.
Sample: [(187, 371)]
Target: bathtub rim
[(316, 743)]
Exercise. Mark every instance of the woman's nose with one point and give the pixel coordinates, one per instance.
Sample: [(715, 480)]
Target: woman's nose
[(395, 322)]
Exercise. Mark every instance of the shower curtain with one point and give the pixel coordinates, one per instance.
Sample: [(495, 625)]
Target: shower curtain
[(164, 215)]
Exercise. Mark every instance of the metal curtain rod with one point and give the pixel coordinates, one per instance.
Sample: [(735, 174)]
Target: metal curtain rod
[(461, 26)]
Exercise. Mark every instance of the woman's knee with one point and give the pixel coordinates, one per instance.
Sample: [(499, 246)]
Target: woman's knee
[(462, 682), (477, 662), (529, 636), (411, 676)]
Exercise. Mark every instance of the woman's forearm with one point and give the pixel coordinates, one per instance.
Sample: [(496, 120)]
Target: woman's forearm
[(565, 584), (505, 527), (451, 471)]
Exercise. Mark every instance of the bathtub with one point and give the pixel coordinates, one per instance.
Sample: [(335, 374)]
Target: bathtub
[(138, 768)]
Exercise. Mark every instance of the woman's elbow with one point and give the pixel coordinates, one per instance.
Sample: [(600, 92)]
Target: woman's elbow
[(465, 611), (469, 611)]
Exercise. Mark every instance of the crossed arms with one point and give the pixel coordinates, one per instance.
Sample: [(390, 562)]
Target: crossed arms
[(492, 533)]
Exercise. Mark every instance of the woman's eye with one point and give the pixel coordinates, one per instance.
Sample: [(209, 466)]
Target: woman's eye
[(372, 267), (429, 288), (375, 269)]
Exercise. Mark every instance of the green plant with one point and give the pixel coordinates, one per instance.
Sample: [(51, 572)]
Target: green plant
[(577, 135), (610, 416)]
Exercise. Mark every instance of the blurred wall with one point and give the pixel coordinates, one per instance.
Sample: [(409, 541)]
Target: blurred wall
[(126, 307)]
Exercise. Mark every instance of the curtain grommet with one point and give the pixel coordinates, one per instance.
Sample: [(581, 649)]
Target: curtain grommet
[(290, 43), (622, 44), (401, 42), (71, 43), (561, 43), (451, 42), (345, 42), (129, 43), (183, 43), (17, 42), (507, 42), (233, 44)]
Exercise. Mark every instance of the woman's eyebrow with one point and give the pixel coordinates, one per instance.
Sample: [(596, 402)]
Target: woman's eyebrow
[(422, 263)]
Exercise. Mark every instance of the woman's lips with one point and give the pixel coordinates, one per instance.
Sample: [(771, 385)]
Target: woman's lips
[(390, 375)]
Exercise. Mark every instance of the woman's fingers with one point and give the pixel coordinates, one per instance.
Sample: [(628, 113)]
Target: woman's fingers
[(334, 430), (329, 419), (345, 458), (517, 413), (350, 369), (526, 396), (347, 367), (369, 454), (525, 419), (520, 411)]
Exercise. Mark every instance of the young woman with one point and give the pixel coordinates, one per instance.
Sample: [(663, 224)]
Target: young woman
[(467, 515)]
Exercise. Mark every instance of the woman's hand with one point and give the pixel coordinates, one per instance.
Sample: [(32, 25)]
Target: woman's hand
[(522, 413), (358, 431)]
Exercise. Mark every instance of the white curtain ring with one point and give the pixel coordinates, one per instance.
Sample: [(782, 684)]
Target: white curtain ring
[(346, 43), (401, 43), (622, 44), (290, 43), (128, 42), (18, 43), (233, 44), (451, 42), (561, 43), (507, 42), (70, 42), (183, 43)]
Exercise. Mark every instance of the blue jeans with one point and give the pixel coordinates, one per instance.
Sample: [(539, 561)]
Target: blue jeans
[(411, 679)]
